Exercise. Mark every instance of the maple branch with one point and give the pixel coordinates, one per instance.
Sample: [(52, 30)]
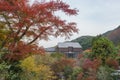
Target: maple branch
[(24, 33), (37, 36), (34, 40), (17, 33), (20, 27)]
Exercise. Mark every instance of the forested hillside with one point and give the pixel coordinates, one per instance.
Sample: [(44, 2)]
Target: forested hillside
[(86, 41), (114, 35)]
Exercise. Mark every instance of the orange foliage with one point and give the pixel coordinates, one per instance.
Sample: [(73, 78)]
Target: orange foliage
[(80, 56), (59, 65), (90, 68), (21, 51), (112, 63), (80, 76), (33, 22), (88, 50), (89, 64), (91, 78)]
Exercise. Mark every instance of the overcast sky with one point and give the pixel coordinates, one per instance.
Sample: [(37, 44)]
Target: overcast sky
[(95, 17)]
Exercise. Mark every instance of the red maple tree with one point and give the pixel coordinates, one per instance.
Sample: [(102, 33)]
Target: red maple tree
[(29, 23)]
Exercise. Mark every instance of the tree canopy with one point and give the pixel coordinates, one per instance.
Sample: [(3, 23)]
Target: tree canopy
[(102, 47), (27, 23)]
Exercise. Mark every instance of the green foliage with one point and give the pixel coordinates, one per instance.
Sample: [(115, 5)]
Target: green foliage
[(104, 73), (3, 70), (45, 59), (102, 47), (68, 71), (10, 71), (75, 73), (112, 35), (64, 66), (19, 31), (88, 55), (85, 41), (3, 33), (14, 71), (57, 55)]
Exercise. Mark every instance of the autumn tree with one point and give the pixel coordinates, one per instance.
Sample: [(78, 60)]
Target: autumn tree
[(33, 71), (22, 24), (28, 23), (63, 67)]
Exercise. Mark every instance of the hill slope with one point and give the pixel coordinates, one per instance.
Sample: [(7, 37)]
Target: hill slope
[(113, 35), (85, 41)]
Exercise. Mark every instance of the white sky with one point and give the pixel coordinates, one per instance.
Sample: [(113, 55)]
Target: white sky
[(94, 17)]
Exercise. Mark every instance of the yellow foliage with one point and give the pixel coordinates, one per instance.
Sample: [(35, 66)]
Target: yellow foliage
[(33, 71), (44, 59), (3, 32), (28, 63)]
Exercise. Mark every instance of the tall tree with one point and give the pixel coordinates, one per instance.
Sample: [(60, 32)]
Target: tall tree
[(102, 47), (34, 22), (22, 24)]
